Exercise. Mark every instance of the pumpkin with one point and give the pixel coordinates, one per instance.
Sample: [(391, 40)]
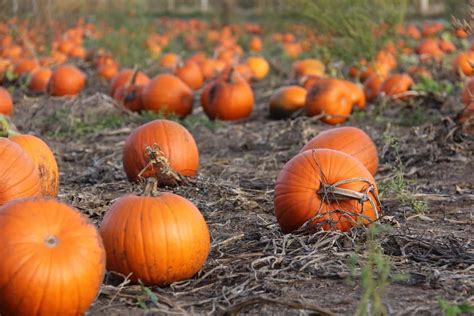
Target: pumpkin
[(130, 96), (329, 99), (467, 93), (169, 61), (6, 102), (309, 81), (307, 67), (18, 176), (230, 97), (244, 71), (190, 74), (66, 80), (446, 46), (460, 33), (78, 52), (463, 63), (256, 44), (467, 113), (44, 161), (259, 67), (325, 187), (159, 240), (25, 66), (396, 85), (429, 48), (356, 94), (413, 32), (53, 259), (350, 140), (372, 86), (107, 71), (433, 28), (125, 76), (167, 94), (170, 143), (286, 100), (39, 79)]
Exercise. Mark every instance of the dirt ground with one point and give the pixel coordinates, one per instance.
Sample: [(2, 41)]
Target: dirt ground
[(253, 267)]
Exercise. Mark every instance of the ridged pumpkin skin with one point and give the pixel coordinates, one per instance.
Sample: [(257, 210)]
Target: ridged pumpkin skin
[(66, 80), (329, 97), (39, 79), (167, 94), (350, 140), (159, 239), (124, 76), (176, 143), (53, 261), (287, 100), (230, 98), (18, 176), (296, 198), (44, 161), (191, 74), (6, 102)]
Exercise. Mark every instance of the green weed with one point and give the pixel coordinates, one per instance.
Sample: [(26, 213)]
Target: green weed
[(450, 309), (149, 296)]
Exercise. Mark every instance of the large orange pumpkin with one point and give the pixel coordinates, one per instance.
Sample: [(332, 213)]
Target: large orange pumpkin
[(167, 94), (39, 79), (66, 80), (331, 99), (229, 98), (6, 102), (325, 187), (350, 140), (170, 141), (286, 101), (44, 161), (53, 260), (124, 76), (18, 176), (159, 240)]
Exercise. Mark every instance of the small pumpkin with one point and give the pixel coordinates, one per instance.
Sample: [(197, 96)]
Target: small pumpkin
[(53, 259), (325, 187), (124, 76), (167, 94), (259, 67), (256, 44), (18, 176), (66, 80), (429, 49), (286, 100), (308, 67), (330, 99), (229, 97), (169, 61), (372, 86), (396, 85), (463, 63), (190, 73), (39, 79), (467, 93), (6, 102), (350, 140), (161, 149), (159, 240), (356, 93), (107, 71), (467, 113), (25, 66), (44, 161)]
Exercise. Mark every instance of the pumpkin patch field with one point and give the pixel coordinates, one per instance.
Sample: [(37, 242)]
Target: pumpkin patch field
[(243, 158)]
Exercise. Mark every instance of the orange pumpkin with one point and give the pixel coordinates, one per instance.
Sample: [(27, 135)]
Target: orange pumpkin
[(467, 113), (446, 46), (53, 259), (44, 161), (169, 61), (460, 33), (256, 44), (229, 98), (259, 67), (18, 176), (372, 86), (433, 28), (429, 48), (159, 240), (167, 94), (286, 100), (25, 66), (130, 96), (325, 187), (350, 140), (211, 68), (6, 102), (39, 79), (124, 76), (356, 94), (107, 71), (308, 67), (173, 142), (66, 80), (396, 85), (330, 99), (463, 63), (190, 74)]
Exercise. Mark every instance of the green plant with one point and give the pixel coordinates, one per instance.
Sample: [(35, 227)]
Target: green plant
[(352, 23), (454, 309), (426, 84), (397, 185), (149, 295)]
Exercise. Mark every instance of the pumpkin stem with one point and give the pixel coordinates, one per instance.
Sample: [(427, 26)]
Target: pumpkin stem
[(133, 77), (163, 168), (151, 186)]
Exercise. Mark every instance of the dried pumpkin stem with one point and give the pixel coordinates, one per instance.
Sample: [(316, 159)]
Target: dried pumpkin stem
[(151, 187), (158, 160)]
